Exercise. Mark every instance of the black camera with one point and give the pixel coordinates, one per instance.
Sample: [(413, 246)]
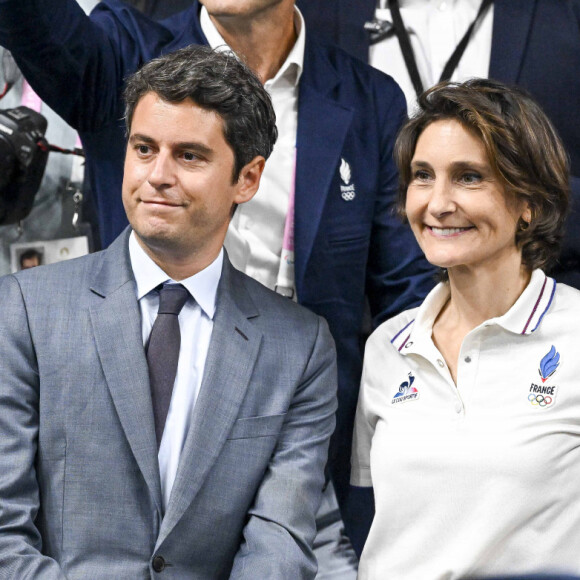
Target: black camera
[(23, 156)]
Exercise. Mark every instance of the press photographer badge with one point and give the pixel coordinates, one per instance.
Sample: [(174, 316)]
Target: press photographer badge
[(26, 255)]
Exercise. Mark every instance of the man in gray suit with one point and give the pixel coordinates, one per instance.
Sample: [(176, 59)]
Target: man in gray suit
[(96, 481)]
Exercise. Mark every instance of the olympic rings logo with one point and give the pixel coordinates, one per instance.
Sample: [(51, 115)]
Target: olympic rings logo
[(540, 400)]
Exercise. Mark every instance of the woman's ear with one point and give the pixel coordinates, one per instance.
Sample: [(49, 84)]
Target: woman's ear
[(527, 214)]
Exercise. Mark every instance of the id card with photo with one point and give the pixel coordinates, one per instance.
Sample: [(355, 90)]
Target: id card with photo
[(25, 255)]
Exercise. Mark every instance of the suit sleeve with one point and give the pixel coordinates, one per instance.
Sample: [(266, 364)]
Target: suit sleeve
[(281, 525), (567, 269), (398, 275), (20, 540), (76, 64)]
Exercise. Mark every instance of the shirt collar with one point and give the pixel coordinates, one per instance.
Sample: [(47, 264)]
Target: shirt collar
[(290, 72), (422, 4), (419, 330), (524, 317), (416, 9), (148, 275)]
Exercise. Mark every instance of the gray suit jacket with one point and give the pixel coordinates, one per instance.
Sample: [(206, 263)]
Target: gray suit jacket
[(79, 480)]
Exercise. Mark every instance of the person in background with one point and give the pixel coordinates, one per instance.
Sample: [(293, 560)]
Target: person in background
[(533, 44), (160, 9), (161, 412), (52, 214), (320, 230), (467, 422)]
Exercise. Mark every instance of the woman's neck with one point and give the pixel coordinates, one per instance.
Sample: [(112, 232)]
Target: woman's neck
[(483, 293), (476, 295)]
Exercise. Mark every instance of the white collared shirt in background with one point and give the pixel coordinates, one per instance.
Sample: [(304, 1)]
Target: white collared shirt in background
[(478, 479), (196, 325), (255, 236), (435, 28)]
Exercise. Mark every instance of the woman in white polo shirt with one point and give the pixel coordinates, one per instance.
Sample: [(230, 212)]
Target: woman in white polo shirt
[(468, 424)]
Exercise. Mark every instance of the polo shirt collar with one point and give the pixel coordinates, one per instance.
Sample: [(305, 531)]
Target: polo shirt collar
[(290, 71), (524, 317), (415, 336), (148, 275)]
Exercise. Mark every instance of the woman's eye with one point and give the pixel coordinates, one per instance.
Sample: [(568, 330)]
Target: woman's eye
[(421, 175), (471, 178)]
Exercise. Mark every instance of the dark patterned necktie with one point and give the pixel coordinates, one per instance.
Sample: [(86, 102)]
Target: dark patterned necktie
[(163, 351)]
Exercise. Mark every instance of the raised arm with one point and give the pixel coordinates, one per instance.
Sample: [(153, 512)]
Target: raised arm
[(75, 63)]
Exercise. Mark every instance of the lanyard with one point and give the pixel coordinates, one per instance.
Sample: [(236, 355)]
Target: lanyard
[(407, 49), (285, 284)]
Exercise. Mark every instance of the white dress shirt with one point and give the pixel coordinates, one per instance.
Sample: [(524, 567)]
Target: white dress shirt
[(480, 478), (255, 236), (435, 29), (196, 325)]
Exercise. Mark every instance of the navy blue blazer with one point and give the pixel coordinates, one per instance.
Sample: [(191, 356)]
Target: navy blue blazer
[(349, 244), (535, 45)]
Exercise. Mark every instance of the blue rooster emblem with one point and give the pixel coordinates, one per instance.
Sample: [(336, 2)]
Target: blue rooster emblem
[(549, 364), (407, 387)]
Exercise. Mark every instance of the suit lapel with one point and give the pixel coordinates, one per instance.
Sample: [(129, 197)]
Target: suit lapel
[(511, 28), (230, 361), (323, 124), (117, 328)]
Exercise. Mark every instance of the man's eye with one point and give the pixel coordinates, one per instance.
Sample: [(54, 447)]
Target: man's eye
[(143, 149), (189, 156)]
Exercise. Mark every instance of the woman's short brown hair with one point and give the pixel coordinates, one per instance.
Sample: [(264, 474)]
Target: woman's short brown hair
[(523, 149)]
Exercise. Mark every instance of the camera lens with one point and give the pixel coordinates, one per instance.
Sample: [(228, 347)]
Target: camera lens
[(7, 161)]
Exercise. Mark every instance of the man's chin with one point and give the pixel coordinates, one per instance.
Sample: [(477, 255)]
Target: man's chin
[(156, 239)]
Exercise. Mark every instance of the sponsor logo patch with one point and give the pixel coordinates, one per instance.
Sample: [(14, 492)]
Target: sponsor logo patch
[(407, 392)]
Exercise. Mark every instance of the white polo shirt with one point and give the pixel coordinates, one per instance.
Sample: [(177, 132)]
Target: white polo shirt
[(482, 478)]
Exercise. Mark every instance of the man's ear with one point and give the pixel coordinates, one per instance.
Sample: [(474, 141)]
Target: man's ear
[(249, 179)]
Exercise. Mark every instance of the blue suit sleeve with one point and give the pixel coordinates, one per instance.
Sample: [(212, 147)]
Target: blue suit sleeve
[(76, 64), (398, 275), (567, 269)]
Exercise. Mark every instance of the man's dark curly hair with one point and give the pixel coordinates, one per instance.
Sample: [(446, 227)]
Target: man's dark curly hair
[(217, 81)]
